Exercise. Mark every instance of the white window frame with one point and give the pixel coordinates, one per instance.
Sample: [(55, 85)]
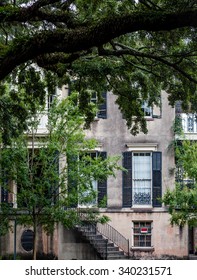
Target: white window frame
[(135, 181), (142, 148), (94, 99), (185, 123)]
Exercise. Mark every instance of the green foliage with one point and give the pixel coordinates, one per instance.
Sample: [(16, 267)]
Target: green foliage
[(133, 48), (182, 201), (4, 219), (187, 158), (53, 171), (182, 205), (21, 96), (177, 126)]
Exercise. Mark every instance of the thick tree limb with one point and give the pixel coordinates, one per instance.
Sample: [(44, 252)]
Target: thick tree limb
[(69, 41)]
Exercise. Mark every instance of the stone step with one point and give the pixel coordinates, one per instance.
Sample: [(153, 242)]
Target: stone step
[(99, 242), (111, 253), (94, 236), (109, 249), (90, 231), (117, 257)]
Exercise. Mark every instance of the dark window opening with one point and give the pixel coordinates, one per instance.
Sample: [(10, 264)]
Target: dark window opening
[(27, 240)]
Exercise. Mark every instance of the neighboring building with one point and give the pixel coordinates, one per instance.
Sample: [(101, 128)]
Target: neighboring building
[(188, 123), (133, 204)]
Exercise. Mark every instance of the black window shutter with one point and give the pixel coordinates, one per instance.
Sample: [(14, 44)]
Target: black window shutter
[(157, 178), (127, 179), (102, 185), (102, 113), (178, 107)]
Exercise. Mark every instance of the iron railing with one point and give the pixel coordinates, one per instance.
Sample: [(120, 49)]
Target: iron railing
[(113, 235), (107, 231)]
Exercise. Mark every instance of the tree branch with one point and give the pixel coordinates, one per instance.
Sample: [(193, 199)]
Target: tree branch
[(129, 51), (86, 37)]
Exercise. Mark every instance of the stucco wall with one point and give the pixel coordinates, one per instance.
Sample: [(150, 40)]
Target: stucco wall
[(47, 244), (166, 240), (72, 246), (113, 134)]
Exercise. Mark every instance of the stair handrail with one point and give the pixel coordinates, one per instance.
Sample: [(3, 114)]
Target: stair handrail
[(113, 235), (107, 231)]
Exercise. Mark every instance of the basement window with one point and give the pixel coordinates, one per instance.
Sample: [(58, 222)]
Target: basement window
[(27, 240), (142, 234)]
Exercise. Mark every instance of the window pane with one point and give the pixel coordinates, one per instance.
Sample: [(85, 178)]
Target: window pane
[(142, 178), (89, 196), (140, 237), (146, 109)]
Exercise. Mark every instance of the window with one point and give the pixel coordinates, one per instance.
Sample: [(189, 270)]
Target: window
[(142, 183), (146, 109), (182, 178), (191, 123), (51, 98), (4, 195), (102, 107), (89, 197), (97, 195), (27, 240), (142, 234), (99, 188), (142, 179)]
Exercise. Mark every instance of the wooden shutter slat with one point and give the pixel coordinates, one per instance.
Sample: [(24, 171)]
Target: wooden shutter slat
[(127, 179), (157, 178)]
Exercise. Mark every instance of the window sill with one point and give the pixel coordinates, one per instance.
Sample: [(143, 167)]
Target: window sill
[(142, 208), (149, 119), (142, 249), (96, 119)]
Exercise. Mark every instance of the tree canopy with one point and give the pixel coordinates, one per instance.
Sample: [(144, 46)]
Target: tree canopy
[(182, 201), (133, 48)]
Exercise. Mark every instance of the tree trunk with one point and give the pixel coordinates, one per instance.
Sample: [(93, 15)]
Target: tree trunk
[(35, 238)]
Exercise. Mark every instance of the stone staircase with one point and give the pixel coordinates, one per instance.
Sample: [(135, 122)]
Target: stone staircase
[(104, 247)]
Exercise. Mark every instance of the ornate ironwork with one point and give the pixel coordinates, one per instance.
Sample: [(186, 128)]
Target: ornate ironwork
[(142, 198)]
